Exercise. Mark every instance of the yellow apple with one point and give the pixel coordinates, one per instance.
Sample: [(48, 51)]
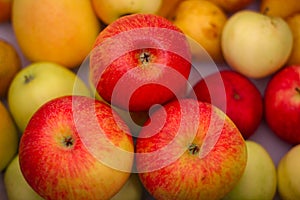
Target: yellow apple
[(259, 178), (61, 31), (256, 45), (279, 8), (8, 137), (110, 10), (294, 23), (203, 21), (38, 83), (288, 174), (15, 184)]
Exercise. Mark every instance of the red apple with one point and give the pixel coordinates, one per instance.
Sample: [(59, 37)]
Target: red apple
[(243, 102), (75, 147), (190, 150), (282, 104), (140, 60)]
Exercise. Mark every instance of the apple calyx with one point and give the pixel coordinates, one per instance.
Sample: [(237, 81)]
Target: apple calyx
[(68, 141), (193, 149), (28, 78), (145, 58)]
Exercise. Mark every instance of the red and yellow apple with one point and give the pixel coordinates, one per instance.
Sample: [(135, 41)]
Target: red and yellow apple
[(76, 147), (190, 150), (243, 101), (282, 104), (136, 63)]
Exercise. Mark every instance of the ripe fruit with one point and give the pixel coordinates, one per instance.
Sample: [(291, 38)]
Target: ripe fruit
[(76, 147), (232, 6), (282, 104), (5, 7), (294, 23), (8, 137), (279, 8), (190, 150), (203, 21), (167, 6), (15, 185), (136, 64), (289, 175), (61, 31), (10, 64), (238, 97), (110, 10), (259, 179), (256, 45), (38, 83)]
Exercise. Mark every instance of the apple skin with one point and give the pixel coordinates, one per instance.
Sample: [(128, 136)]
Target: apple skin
[(282, 104), (197, 153), (256, 45), (136, 64), (110, 10), (15, 185), (9, 138), (76, 147), (288, 174), (38, 83), (259, 179), (243, 102)]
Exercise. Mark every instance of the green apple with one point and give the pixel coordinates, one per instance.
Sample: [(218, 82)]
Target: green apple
[(132, 189), (259, 178), (256, 45), (110, 10), (38, 83), (8, 137), (15, 184), (288, 174)]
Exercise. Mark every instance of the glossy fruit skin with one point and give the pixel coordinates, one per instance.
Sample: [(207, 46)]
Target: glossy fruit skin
[(171, 166), (135, 62), (282, 104), (241, 100)]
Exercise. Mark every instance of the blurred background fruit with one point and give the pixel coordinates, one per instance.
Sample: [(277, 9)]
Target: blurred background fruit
[(231, 6), (167, 7), (279, 8), (10, 64), (294, 23), (5, 8), (203, 21), (61, 31)]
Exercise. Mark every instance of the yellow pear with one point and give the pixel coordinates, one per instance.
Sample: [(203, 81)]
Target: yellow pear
[(279, 8), (294, 23), (8, 137), (61, 31)]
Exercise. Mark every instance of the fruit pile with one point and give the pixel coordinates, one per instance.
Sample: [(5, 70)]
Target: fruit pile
[(161, 99)]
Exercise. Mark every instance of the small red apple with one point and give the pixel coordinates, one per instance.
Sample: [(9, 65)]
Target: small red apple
[(282, 104), (140, 60), (238, 97), (197, 152), (75, 147)]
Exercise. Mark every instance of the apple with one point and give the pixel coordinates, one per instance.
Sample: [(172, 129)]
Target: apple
[(232, 6), (75, 147), (190, 150), (38, 83), (282, 104), (9, 138), (110, 10), (256, 45), (5, 7), (167, 6), (288, 174), (136, 64), (279, 8), (15, 185), (259, 179), (243, 102)]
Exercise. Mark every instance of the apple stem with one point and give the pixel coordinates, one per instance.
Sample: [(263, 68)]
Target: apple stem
[(193, 149)]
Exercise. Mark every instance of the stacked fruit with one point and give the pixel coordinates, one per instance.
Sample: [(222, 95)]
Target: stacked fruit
[(155, 99)]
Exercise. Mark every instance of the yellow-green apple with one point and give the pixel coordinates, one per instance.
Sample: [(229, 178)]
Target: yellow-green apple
[(8, 137), (243, 102), (15, 185), (76, 147), (190, 150), (256, 45), (259, 180), (288, 174), (36, 84), (282, 104), (60, 31), (110, 10), (132, 189), (136, 64), (203, 21)]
